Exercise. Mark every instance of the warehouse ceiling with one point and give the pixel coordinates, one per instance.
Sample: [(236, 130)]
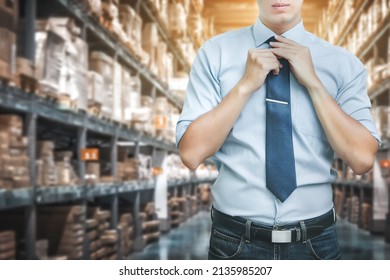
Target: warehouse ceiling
[(233, 14)]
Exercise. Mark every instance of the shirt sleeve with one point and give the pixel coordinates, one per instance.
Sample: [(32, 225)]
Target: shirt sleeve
[(203, 90), (353, 98)]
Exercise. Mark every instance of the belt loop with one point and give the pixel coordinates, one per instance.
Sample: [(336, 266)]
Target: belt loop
[(304, 232), (298, 230), (247, 235)]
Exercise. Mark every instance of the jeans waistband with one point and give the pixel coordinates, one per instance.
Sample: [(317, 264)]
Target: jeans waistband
[(294, 232)]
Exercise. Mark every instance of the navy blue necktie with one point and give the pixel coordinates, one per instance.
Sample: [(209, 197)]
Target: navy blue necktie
[(280, 162)]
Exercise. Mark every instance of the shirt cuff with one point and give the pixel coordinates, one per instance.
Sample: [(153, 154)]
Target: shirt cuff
[(181, 128)]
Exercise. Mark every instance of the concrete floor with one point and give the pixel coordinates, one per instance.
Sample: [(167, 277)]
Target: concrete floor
[(190, 242)]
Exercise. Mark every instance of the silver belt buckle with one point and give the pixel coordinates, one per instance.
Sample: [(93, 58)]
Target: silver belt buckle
[(281, 236)]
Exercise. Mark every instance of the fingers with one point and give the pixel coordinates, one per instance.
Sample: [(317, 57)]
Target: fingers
[(284, 53), (282, 45), (285, 40), (264, 59), (285, 48)]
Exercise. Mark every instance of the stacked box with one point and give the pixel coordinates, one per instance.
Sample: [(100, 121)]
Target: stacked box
[(162, 61), (149, 44), (71, 243), (46, 167), (173, 118), (163, 14), (173, 168), (144, 167), (366, 216), (66, 174), (197, 5), (14, 162), (94, 7), (93, 172), (338, 196), (49, 56), (166, 116), (62, 60), (132, 28), (150, 224), (355, 210), (127, 18), (7, 245), (95, 90), (42, 251), (7, 54), (104, 65), (177, 21), (104, 242), (161, 115), (209, 27), (117, 93), (126, 226), (175, 213), (381, 116), (63, 227), (54, 168), (186, 5), (110, 19), (131, 96), (128, 169), (142, 118), (205, 195), (9, 11), (92, 237), (195, 27), (109, 240)]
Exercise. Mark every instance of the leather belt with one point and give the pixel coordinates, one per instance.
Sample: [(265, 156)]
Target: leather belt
[(294, 232)]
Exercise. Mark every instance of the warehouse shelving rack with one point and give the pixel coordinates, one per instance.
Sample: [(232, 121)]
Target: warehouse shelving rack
[(377, 44), (76, 129)]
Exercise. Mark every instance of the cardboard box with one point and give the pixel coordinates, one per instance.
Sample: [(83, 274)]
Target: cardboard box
[(9, 11), (94, 7), (6, 236), (95, 89), (117, 93), (104, 65), (127, 18)]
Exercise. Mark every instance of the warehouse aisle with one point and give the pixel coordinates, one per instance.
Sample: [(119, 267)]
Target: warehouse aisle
[(190, 242), (187, 242)]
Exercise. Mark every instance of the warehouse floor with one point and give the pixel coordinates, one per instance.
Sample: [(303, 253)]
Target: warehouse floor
[(190, 242)]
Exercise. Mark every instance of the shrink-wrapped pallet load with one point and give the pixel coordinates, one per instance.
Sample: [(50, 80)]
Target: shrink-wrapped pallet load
[(62, 61), (104, 65)]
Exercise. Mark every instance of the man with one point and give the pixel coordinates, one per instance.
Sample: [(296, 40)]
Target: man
[(230, 114)]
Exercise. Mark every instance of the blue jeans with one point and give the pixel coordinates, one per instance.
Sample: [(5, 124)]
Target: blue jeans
[(227, 245)]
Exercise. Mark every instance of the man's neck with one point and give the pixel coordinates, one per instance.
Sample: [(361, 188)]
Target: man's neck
[(279, 29)]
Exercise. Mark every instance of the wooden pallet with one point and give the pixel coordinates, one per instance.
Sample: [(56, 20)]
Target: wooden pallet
[(95, 110), (5, 73), (66, 103), (25, 76)]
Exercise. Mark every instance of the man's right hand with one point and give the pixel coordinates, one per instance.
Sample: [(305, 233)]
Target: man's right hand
[(259, 63)]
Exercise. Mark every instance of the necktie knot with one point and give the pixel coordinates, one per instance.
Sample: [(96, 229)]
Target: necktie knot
[(271, 39)]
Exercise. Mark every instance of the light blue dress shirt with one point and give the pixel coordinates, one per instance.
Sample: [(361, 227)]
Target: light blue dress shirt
[(240, 189)]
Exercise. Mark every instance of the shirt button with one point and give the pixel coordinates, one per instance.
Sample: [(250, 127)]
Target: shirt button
[(278, 221)]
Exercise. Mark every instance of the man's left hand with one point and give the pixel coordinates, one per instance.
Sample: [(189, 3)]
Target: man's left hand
[(300, 60)]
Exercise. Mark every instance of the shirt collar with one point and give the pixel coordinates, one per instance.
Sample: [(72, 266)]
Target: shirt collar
[(262, 33)]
